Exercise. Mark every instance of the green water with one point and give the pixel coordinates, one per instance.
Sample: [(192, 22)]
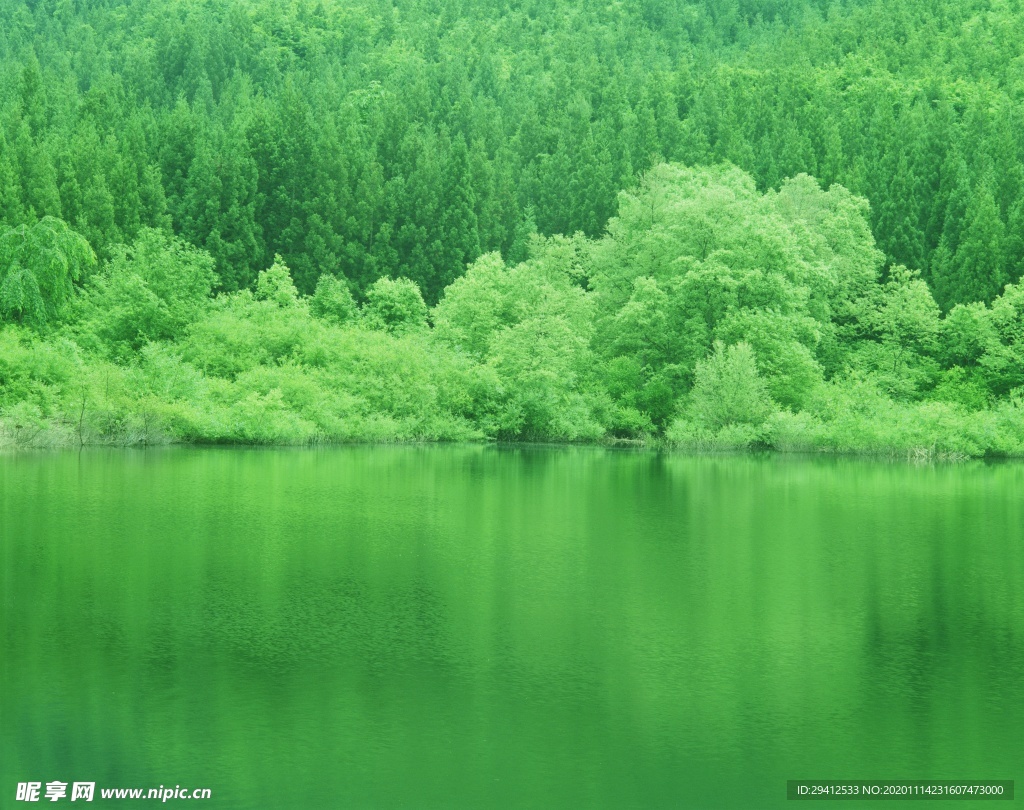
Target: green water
[(481, 627)]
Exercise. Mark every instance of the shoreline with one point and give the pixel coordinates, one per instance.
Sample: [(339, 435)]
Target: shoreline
[(913, 455)]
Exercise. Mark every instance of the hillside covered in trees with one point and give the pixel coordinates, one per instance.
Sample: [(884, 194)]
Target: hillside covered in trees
[(786, 223)]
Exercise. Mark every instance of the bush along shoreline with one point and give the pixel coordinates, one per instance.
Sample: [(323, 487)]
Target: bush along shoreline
[(708, 316)]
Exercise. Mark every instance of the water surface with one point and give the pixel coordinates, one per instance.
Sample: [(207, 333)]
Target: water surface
[(452, 627)]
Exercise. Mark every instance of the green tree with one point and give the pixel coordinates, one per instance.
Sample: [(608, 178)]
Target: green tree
[(728, 390), (905, 320), (395, 305), (696, 255), (276, 286), (151, 290), (332, 301), (1003, 360), (975, 272), (39, 265)]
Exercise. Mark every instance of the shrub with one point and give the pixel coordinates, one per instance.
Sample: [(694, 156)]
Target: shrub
[(332, 302), (727, 390), (395, 305)]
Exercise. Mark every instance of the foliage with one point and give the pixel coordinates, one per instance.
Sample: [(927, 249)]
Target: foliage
[(333, 301), (149, 291), (531, 325), (395, 305), (384, 140), (727, 389), (572, 222), (726, 319), (38, 267), (275, 286), (904, 319), (697, 255)]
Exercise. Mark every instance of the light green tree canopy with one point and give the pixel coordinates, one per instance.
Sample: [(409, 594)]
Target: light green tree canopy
[(698, 254), (332, 301), (149, 290), (276, 286), (39, 265), (532, 325), (728, 390), (395, 305)]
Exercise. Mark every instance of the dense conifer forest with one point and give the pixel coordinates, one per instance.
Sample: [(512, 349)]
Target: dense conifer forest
[(792, 224)]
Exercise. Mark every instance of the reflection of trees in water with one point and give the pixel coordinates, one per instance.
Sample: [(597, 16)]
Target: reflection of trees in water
[(325, 623)]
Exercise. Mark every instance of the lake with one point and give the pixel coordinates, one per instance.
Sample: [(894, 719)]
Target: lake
[(450, 626)]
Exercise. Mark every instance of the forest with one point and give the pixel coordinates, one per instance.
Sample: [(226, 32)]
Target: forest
[(780, 224)]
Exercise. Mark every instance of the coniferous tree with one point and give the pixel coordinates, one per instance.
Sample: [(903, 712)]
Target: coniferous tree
[(974, 272)]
